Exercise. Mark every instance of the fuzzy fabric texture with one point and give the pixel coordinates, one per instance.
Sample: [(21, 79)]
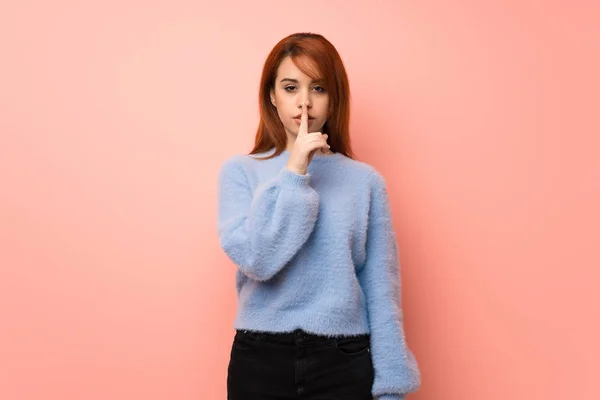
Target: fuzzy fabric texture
[(317, 252)]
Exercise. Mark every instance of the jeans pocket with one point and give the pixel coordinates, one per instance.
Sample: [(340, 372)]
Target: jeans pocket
[(353, 346), (244, 341)]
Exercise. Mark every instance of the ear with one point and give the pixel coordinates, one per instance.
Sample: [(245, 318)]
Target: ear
[(272, 94)]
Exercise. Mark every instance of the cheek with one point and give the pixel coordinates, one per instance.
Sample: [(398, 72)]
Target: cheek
[(281, 113), (282, 103), (325, 106)]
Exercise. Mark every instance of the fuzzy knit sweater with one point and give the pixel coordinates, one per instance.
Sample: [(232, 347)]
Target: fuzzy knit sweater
[(317, 252)]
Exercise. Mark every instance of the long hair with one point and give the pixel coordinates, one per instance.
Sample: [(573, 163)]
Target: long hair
[(306, 50)]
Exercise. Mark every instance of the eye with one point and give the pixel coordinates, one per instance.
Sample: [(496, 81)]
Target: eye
[(289, 87), (319, 89)]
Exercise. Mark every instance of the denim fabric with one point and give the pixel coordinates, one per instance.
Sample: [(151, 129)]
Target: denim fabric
[(299, 365)]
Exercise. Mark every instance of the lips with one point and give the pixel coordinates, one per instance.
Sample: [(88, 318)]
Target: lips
[(298, 121), (300, 115)]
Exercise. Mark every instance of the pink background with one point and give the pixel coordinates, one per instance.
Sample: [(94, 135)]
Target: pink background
[(115, 117)]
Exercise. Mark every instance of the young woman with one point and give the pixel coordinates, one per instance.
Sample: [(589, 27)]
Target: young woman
[(309, 228)]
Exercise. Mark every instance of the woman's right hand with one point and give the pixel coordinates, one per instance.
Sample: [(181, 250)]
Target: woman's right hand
[(305, 146)]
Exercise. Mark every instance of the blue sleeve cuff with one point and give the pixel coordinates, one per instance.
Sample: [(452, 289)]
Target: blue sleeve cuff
[(292, 178)]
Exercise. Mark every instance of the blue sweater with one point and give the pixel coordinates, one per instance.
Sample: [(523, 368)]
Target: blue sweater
[(317, 252)]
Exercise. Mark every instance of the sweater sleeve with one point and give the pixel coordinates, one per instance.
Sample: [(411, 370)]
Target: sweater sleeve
[(262, 229), (396, 369)]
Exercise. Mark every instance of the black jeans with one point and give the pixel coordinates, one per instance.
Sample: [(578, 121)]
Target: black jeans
[(298, 365)]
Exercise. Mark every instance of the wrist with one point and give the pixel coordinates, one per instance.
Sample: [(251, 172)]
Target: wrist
[(296, 170)]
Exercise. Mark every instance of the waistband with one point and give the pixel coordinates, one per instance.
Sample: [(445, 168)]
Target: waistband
[(296, 336)]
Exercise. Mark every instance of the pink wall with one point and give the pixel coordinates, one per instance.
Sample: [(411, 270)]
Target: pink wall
[(115, 117)]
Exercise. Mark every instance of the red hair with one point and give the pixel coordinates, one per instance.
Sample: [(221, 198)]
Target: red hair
[(316, 57)]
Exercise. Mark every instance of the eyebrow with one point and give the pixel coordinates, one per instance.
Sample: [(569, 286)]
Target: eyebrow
[(296, 80)]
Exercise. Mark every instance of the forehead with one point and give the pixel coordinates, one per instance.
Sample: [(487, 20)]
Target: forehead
[(289, 69)]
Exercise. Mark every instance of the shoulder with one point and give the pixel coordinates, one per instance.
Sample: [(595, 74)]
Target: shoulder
[(238, 163), (364, 172)]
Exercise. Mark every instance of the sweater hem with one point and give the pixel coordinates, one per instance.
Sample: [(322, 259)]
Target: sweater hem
[(311, 322)]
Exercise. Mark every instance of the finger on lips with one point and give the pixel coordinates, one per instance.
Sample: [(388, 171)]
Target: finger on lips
[(304, 120)]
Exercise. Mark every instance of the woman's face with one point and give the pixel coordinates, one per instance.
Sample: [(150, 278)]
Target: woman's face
[(292, 87)]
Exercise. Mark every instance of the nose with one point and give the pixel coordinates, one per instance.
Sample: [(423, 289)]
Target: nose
[(305, 100)]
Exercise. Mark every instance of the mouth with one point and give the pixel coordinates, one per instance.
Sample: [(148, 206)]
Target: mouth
[(298, 121), (300, 115)]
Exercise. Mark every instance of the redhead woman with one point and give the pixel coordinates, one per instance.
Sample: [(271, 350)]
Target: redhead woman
[(310, 231)]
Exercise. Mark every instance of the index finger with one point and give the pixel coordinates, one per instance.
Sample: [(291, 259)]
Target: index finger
[(303, 130)]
